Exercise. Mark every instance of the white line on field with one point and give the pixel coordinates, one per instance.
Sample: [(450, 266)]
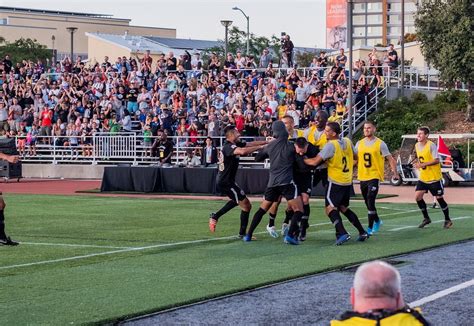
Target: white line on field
[(130, 249), (70, 245), (439, 221), (394, 209), (399, 213), (440, 294)]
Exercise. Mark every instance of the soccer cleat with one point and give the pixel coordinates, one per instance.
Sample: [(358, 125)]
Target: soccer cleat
[(448, 224), (362, 237), (369, 231), (212, 223), (271, 230), (342, 239), (290, 240), (284, 229), (424, 223), (377, 226), (247, 238), (8, 242)]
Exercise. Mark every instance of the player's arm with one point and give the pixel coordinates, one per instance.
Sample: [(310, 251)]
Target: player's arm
[(257, 143), (315, 161), (247, 149), (262, 155), (393, 166), (9, 158)]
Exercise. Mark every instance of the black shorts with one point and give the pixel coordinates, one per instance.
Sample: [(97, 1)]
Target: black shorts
[(304, 183), (233, 191), (370, 188), (320, 175), (337, 195), (435, 188), (288, 191)]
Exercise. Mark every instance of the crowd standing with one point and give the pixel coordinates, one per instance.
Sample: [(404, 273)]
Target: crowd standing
[(177, 96)]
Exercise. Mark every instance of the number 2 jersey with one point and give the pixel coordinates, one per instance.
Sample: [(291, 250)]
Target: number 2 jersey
[(371, 155), (339, 155)]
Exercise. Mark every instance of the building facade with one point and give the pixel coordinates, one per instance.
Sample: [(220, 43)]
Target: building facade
[(374, 23), (49, 28)]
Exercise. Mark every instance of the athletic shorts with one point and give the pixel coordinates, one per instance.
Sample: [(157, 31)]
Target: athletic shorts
[(303, 183), (370, 188), (435, 188), (320, 175), (233, 191), (289, 191), (337, 195)]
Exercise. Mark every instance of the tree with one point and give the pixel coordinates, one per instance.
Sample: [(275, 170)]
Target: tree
[(25, 49), (445, 30)]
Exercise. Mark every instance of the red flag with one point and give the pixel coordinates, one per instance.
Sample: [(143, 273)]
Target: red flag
[(442, 148)]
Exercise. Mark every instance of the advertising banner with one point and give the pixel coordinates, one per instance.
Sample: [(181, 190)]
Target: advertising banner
[(336, 24)]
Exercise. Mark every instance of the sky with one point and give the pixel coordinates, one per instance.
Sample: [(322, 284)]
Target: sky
[(303, 20)]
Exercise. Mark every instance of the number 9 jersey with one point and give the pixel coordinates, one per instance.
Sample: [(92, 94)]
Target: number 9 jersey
[(370, 159)]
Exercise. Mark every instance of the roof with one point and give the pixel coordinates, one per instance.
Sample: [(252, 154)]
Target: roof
[(184, 44), (130, 42), (57, 12)]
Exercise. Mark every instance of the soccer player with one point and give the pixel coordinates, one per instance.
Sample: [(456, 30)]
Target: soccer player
[(430, 177), (371, 152), (303, 174), (228, 166), (4, 239), (339, 155), (280, 184)]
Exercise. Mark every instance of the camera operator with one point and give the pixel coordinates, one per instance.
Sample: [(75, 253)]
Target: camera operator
[(287, 48)]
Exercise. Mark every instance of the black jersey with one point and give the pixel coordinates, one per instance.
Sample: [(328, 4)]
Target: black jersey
[(300, 168), (228, 163)]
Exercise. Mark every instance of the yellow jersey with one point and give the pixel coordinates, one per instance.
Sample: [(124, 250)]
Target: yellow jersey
[(370, 161), (295, 134), (432, 173), (340, 165), (402, 317)]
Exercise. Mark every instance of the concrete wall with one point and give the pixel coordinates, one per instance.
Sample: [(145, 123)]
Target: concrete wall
[(98, 49), (394, 93), (43, 26), (70, 171)]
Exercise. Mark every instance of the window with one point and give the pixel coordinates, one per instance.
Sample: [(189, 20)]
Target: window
[(374, 31), (374, 19), (359, 31), (374, 41), (359, 42), (359, 7), (393, 19), (3, 21), (374, 7), (394, 30), (359, 20)]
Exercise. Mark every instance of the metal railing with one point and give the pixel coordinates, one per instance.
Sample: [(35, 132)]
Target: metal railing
[(106, 148)]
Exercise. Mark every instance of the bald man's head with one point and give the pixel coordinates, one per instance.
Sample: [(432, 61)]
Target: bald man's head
[(377, 285)]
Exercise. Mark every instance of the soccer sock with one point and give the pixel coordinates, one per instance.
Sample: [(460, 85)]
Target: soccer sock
[(256, 220), (306, 211), (336, 220), (244, 221), (373, 217), (294, 226), (2, 225), (227, 207), (289, 214), (422, 206), (271, 220), (444, 208), (352, 217)]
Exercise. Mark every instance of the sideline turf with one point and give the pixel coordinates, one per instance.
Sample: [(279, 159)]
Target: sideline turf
[(110, 287)]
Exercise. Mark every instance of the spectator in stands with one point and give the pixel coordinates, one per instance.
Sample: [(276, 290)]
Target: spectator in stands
[(265, 59), (46, 123), (209, 153), (392, 57), (163, 148), (341, 59), (191, 159), (376, 298), (287, 49)]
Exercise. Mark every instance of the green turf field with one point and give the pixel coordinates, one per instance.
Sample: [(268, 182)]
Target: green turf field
[(93, 259)]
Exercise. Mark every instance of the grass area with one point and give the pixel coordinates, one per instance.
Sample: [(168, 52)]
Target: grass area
[(129, 256)]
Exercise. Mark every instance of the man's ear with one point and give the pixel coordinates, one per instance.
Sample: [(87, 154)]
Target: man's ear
[(352, 298)]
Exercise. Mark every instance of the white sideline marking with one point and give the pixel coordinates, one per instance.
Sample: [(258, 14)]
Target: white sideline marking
[(440, 294), (399, 213), (394, 209), (71, 245), (162, 245), (439, 221)]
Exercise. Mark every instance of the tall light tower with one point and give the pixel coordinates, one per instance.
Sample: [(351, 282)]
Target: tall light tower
[(72, 30), (53, 38), (226, 24), (248, 27)]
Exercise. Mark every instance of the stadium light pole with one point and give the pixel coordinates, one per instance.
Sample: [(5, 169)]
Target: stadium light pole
[(351, 58), (226, 24), (72, 30), (402, 45), (248, 27)]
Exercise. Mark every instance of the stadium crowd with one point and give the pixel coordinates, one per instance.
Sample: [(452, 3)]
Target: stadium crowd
[(71, 101)]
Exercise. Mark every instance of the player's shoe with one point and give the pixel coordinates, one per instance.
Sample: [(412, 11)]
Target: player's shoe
[(369, 231), (424, 223), (290, 240), (247, 238), (342, 239), (212, 223), (302, 236), (284, 229), (448, 224), (271, 230), (435, 205), (377, 226), (362, 237), (7, 241), (242, 237)]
